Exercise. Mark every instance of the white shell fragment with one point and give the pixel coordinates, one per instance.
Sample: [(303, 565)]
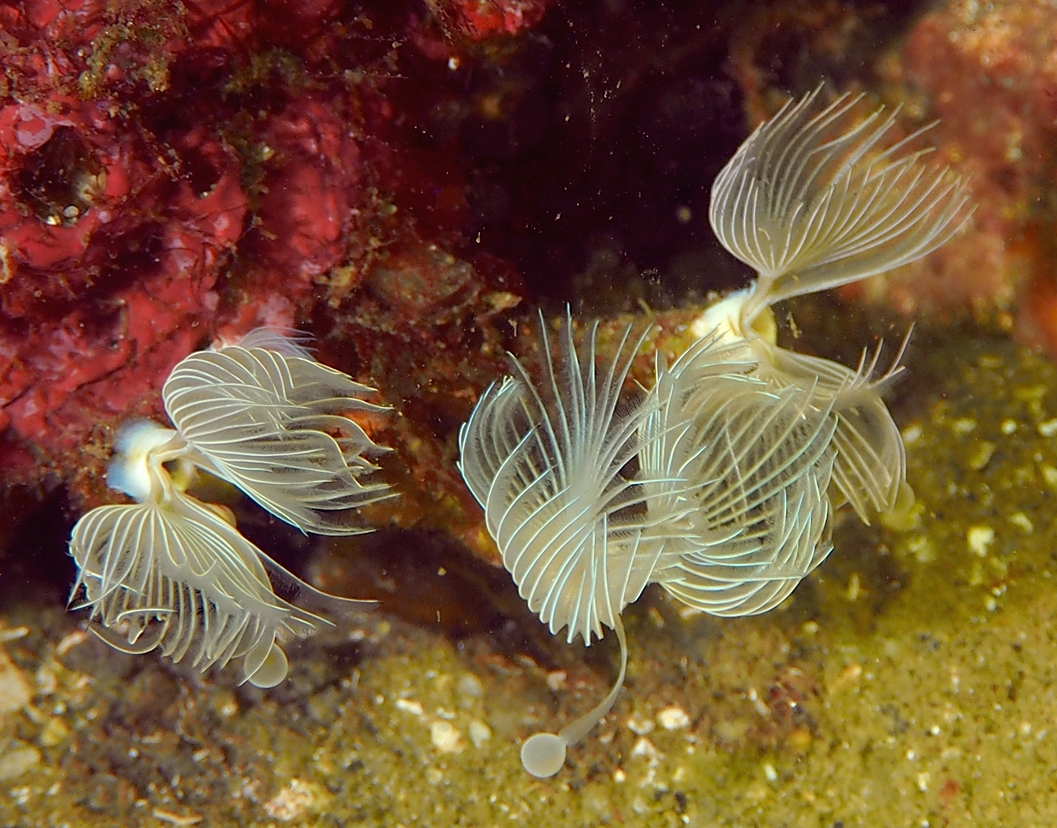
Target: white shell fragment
[(171, 572), (673, 718)]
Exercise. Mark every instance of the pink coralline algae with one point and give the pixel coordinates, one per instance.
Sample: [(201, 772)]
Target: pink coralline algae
[(119, 214), (107, 262), (988, 71), (249, 24), (479, 19), (309, 206), (178, 173)]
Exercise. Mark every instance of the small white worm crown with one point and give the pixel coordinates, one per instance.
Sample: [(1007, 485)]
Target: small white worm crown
[(719, 482), (546, 462), (170, 572), (810, 202)]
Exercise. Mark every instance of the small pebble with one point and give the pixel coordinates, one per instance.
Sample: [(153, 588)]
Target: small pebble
[(470, 686), (912, 433), (1022, 521), (294, 801), (15, 691), (16, 761), (479, 732), (673, 718), (920, 546), (13, 633), (1048, 428), (54, 732), (644, 747), (640, 725), (446, 737), (979, 539), (981, 455), (410, 706)]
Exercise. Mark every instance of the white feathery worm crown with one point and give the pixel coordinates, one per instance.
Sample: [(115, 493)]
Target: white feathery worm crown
[(171, 572), (547, 463), (753, 463), (811, 202), (276, 427), (720, 481)]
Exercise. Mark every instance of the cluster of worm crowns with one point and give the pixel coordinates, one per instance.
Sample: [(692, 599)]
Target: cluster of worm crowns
[(171, 572), (718, 482)]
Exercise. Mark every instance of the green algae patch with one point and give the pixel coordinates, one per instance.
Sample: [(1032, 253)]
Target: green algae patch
[(944, 693), (982, 462)]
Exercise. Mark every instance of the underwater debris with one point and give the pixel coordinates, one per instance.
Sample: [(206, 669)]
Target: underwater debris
[(741, 448), (170, 572)]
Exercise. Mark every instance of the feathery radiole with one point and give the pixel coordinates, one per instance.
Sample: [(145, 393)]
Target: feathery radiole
[(546, 462), (812, 201), (719, 482), (171, 572)]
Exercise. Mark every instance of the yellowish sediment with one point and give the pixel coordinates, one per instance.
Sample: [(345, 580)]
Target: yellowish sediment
[(909, 681)]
